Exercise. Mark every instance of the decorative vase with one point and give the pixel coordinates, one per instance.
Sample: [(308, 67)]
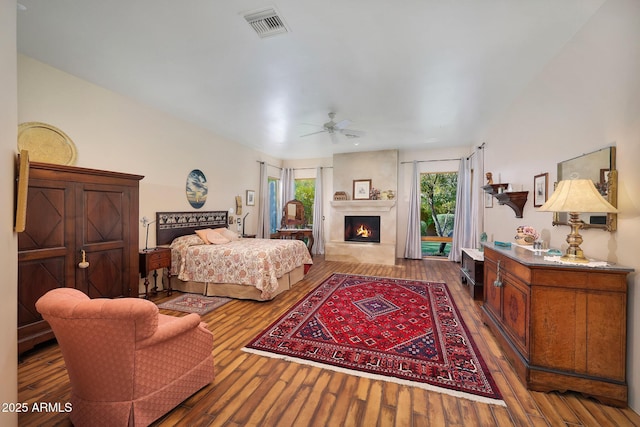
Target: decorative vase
[(524, 239), (526, 235)]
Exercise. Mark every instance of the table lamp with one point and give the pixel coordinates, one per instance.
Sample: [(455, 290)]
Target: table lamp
[(146, 222), (576, 196)]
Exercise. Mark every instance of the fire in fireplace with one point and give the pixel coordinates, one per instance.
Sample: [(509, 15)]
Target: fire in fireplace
[(362, 229)]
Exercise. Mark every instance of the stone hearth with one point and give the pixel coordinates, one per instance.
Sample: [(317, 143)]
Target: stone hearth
[(336, 249)]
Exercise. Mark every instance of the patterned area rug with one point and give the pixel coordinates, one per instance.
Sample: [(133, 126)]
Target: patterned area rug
[(407, 331), (192, 303)]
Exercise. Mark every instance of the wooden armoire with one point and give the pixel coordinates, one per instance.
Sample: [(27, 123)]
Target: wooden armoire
[(74, 213)]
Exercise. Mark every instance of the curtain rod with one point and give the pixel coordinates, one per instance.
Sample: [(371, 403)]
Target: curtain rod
[(433, 160), (480, 147), (295, 169)]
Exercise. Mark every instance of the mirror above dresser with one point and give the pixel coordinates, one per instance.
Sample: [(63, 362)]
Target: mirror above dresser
[(600, 167)]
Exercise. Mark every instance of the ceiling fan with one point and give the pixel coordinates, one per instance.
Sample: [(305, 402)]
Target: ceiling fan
[(333, 129)]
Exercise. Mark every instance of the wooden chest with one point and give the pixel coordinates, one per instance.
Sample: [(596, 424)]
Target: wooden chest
[(562, 326)]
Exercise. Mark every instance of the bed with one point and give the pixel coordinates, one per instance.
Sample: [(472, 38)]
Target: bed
[(257, 269)]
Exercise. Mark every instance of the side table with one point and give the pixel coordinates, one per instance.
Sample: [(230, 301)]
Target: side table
[(152, 260), (472, 272)]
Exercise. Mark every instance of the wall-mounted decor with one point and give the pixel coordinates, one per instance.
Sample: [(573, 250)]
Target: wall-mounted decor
[(600, 167), (488, 200), (251, 198), (22, 170), (361, 189), (196, 188), (540, 189), (46, 143)]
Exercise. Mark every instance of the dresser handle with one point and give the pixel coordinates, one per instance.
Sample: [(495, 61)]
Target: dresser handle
[(497, 283)]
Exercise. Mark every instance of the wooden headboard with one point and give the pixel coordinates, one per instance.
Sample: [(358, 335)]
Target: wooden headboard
[(170, 225)]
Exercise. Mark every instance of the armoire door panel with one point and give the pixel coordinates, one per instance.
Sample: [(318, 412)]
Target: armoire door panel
[(37, 277), (104, 212), (48, 229), (105, 276)]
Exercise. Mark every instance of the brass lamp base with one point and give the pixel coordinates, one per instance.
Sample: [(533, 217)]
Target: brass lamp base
[(574, 253)]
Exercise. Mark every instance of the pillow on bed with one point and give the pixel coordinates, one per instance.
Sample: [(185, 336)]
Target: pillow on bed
[(215, 238), (225, 232), (203, 235), (186, 241)]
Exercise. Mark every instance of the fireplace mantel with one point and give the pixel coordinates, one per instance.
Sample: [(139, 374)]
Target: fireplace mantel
[(363, 205)]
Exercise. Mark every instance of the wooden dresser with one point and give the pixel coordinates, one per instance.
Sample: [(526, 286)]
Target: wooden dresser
[(563, 327), (71, 210)]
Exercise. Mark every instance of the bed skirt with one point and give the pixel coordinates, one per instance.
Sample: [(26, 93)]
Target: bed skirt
[(238, 291)]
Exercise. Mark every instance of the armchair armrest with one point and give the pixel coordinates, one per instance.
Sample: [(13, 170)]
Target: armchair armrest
[(169, 327)]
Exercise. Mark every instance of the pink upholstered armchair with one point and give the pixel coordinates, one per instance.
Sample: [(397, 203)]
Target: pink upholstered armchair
[(127, 363)]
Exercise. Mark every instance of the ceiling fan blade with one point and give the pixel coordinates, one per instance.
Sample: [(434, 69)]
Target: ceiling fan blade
[(342, 124), (312, 133), (352, 133), (334, 138)]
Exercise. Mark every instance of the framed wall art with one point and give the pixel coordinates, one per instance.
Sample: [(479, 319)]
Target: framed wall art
[(251, 198), (488, 200), (361, 189), (540, 189), (196, 188)]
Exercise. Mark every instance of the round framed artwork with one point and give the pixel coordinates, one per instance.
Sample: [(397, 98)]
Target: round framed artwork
[(196, 188)]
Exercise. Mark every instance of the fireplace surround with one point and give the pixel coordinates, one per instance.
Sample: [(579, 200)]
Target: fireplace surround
[(362, 228), (384, 252)]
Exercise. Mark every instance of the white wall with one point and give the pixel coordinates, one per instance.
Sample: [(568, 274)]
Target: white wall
[(586, 98), (8, 239), (113, 132)]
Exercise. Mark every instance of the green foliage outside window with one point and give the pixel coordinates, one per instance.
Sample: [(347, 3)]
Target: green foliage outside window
[(305, 192), (438, 203)]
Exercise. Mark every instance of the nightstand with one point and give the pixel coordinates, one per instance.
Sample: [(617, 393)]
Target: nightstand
[(152, 260)]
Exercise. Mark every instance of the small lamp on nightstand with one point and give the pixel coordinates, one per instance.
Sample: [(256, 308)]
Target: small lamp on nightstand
[(576, 196), (146, 223)]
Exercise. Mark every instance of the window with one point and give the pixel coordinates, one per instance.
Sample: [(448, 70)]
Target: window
[(437, 209), (274, 205), (305, 192)]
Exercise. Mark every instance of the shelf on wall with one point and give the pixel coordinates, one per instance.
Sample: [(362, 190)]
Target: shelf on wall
[(514, 199)]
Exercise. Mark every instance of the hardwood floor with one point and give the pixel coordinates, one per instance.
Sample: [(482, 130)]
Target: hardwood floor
[(250, 390)]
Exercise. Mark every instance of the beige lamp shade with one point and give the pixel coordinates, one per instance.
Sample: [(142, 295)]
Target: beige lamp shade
[(577, 195)]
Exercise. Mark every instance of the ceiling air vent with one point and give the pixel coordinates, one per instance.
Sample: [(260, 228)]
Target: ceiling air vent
[(266, 22)]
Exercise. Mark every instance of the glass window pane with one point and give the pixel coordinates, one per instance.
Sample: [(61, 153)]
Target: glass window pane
[(274, 208), (437, 209), (305, 192)]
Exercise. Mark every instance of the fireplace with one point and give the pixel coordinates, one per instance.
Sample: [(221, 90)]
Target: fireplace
[(365, 229)]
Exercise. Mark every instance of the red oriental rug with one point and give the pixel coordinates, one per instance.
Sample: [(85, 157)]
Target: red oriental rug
[(406, 331)]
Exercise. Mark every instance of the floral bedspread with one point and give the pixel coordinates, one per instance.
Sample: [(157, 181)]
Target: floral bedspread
[(254, 262)]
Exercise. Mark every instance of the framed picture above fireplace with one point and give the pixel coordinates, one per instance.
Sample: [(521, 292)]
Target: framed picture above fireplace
[(361, 189)]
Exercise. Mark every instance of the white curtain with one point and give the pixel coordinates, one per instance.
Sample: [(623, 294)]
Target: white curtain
[(477, 196), (318, 216), (264, 226), (469, 205), (413, 246), (288, 183)]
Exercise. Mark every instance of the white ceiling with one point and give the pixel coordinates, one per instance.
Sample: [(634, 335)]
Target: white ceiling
[(412, 74)]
